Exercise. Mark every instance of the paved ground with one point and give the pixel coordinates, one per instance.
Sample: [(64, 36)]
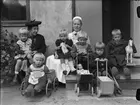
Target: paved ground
[(12, 96)]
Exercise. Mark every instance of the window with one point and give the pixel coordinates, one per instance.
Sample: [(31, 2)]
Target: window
[(15, 12)]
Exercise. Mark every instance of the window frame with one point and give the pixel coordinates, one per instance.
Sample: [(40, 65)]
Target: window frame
[(15, 23)]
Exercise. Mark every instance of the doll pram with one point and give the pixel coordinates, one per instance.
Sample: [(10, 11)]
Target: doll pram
[(105, 85), (48, 87), (86, 79)]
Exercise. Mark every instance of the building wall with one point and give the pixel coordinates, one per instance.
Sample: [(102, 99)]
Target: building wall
[(135, 25), (54, 15), (91, 13)]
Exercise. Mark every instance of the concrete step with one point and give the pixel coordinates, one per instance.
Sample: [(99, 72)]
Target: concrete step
[(135, 72), (129, 84), (70, 82)]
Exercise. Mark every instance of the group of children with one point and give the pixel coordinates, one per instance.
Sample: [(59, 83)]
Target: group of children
[(73, 56), (82, 54)]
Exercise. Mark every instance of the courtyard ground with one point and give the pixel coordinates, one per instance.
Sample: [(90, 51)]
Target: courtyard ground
[(12, 96)]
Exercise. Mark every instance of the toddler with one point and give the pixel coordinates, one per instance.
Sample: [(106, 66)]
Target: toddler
[(23, 47)]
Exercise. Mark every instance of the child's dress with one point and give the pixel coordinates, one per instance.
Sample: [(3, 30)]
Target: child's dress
[(64, 52), (36, 74), (23, 48)]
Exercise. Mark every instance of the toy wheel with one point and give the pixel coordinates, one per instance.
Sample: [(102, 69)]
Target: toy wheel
[(22, 88), (75, 88), (78, 91), (98, 92), (55, 84), (49, 89), (92, 91), (47, 85)]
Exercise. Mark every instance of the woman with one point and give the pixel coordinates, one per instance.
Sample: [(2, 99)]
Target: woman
[(38, 41), (77, 25)]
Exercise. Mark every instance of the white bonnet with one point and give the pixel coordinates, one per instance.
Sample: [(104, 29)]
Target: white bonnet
[(77, 17)]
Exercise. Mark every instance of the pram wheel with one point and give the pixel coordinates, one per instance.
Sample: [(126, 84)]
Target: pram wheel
[(23, 86), (47, 87), (75, 88), (55, 84), (78, 91), (98, 92), (92, 91)]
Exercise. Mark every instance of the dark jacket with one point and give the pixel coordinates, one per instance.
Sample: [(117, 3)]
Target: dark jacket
[(116, 53), (38, 44)]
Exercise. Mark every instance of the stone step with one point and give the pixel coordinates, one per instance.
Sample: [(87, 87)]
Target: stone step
[(70, 82), (129, 84), (135, 72)]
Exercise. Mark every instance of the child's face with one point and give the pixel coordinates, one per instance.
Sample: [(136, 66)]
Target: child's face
[(117, 37), (99, 51), (77, 25), (63, 36), (23, 37), (38, 61), (82, 41)]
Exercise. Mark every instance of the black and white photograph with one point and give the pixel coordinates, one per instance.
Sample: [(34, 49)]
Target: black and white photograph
[(70, 52)]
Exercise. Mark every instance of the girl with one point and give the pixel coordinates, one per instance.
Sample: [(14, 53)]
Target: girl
[(36, 74), (23, 47), (64, 46)]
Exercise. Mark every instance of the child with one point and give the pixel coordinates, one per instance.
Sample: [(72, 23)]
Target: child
[(99, 54), (63, 51), (81, 51), (116, 54), (23, 47), (37, 74)]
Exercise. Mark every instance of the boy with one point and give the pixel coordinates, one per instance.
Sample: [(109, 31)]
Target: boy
[(81, 51), (99, 54), (116, 54)]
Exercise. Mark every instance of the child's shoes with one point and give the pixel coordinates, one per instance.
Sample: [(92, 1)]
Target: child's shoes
[(65, 72)]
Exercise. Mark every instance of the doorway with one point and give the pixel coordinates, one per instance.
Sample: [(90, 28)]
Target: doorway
[(116, 14)]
